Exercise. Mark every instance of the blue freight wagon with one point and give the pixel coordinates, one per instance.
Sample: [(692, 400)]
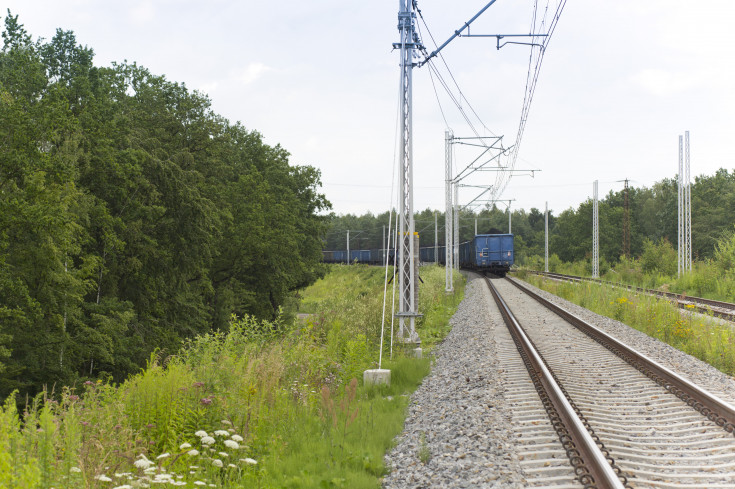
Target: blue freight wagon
[(494, 253)]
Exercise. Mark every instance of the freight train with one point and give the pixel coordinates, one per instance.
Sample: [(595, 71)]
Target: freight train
[(494, 253)]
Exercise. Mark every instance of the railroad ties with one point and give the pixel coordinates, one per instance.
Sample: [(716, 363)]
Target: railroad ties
[(605, 415)]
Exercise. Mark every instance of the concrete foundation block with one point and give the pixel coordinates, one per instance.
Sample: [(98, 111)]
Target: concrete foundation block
[(418, 352), (376, 376)]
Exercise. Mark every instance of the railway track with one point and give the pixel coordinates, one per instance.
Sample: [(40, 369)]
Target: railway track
[(721, 309), (617, 418)]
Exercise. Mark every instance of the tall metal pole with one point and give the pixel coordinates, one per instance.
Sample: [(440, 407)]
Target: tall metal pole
[(382, 253), (456, 227), (595, 234), (546, 238), (475, 226), (449, 214), (688, 209), (436, 238), (348, 246), (408, 308), (679, 212), (509, 228)]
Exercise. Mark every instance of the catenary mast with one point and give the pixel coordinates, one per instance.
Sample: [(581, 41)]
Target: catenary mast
[(407, 261)]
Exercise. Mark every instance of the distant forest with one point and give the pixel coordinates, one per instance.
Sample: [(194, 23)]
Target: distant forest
[(653, 216), (132, 216)]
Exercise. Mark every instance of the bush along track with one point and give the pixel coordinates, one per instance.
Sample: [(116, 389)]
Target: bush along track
[(263, 404), (701, 336)]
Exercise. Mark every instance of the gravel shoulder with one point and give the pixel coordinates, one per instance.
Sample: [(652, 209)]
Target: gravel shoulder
[(458, 432)]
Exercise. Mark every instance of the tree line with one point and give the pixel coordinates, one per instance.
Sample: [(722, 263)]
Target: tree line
[(652, 211), (132, 216)]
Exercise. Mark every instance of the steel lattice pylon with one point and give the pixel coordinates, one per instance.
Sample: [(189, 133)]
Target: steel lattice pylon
[(408, 304), (684, 208)]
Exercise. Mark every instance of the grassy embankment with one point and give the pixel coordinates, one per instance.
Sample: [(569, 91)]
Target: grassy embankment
[(265, 404), (698, 335)]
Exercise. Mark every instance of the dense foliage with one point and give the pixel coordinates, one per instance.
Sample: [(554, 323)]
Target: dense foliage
[(652, 218), (132, 216)]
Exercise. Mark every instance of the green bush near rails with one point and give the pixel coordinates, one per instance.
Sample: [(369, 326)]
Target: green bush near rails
[(264, 404), (698, 335)]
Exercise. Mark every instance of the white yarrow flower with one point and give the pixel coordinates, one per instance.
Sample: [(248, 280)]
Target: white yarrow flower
[(232, 444), (222, 433), (124, 486), (103, 478), (232, 466), (163, 455), (237, 438), (200, 483), (193, 452), (224, 421), (75, 469), (224, 454), (217, 462), (201, 433), (249, 461), (184, 446), (207, 440)]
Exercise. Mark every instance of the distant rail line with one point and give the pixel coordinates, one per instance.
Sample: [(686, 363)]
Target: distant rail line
[(620, 419), (720, 309)]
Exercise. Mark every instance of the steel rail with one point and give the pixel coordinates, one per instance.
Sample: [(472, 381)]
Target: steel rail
[(682, 300), (709, 405), (590, 463)]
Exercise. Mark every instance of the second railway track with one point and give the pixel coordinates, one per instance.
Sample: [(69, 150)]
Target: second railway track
[(656, 439)]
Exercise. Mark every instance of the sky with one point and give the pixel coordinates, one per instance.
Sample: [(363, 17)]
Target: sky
[(620, 81)]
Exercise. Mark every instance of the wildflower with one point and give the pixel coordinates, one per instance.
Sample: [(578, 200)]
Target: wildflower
[(193, 452), (89, 382), (163, 455), (184, 446), (163, 477), (207, 440), (198, 384), (124, 486), (75, 469), (150, 425), (224, 454), (217, 462), (73, 397), (206, 401), (249, 461), (103, 478), (200, 483), (222, 433), (224, 421), (201, 433), (150, 471), (121, 474), (232, 466), (232, 444), (237, 438), (143, 463)]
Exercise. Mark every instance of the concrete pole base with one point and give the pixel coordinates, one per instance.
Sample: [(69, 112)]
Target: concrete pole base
[(376, 376), (418, 352)]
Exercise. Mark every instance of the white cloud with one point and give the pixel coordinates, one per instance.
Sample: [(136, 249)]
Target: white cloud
[(252, 72), (664, 83), (143, 13)]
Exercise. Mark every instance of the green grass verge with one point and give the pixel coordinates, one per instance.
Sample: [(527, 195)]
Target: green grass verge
[(698, 335), (264, 404)]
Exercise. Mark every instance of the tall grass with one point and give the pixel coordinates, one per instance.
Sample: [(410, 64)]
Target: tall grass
[(698, 335), (264, 404)]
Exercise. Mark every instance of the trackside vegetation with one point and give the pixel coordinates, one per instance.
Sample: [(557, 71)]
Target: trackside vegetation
[(267, 403), (701, 336)]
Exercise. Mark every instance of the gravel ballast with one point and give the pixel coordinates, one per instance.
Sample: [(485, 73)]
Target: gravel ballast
[(458, 431)]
